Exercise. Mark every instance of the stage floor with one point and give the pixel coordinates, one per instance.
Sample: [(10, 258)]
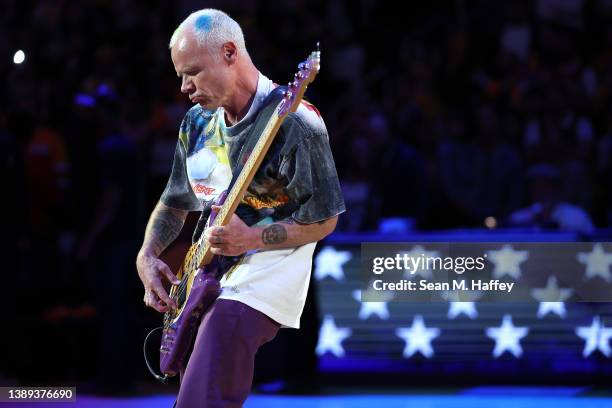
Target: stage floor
[(479, 397)]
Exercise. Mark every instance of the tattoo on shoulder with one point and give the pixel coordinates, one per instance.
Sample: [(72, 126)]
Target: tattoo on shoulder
[(274, 234)]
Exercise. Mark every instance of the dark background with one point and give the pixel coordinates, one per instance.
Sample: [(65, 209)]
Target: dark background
[(441, 115)]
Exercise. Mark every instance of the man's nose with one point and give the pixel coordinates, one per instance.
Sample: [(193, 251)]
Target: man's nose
[(187, 85)]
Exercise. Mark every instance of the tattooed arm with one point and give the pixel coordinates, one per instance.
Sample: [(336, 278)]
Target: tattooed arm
[(236, 237), (289, 233), (164, 226)]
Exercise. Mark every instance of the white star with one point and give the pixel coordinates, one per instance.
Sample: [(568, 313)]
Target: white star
[(369, 308), (551, 298), (507, 337), (552, 292), (468, 308), (417, 252), (596, 337), (418, 338), (329, 263), (461, 296), (331, 338), (557, 308), (507, 261), (597, 262)]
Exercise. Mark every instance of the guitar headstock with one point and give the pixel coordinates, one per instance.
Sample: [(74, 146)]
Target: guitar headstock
[(307, 71)]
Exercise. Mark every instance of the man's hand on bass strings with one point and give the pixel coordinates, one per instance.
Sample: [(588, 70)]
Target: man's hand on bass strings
[(232, 239), (151, 270)]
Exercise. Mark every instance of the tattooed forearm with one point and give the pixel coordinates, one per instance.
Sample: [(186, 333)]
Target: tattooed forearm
[(167, 227), (291, 233), (274, 234), (163, 228)]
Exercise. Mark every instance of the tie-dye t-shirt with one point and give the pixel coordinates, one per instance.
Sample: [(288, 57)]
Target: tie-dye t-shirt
[(297, 179)]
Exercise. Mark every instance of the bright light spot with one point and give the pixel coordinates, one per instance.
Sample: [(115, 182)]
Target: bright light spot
[(490, 222), (19, 57)]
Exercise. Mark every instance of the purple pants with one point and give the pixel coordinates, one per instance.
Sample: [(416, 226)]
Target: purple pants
[(219, 373)]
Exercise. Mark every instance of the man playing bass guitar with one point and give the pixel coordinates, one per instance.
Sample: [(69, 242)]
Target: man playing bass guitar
[(293, 202)]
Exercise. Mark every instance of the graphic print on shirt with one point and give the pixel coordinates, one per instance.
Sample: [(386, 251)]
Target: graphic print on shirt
[(265, 192), (208, 166)]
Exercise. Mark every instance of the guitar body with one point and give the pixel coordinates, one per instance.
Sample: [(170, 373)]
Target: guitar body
[(178, 335), (198, 289)]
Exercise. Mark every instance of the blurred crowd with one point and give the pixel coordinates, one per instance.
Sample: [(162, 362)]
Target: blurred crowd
[(441, 114), (474, 114)]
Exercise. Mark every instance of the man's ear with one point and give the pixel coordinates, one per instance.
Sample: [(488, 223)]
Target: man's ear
[(230, 53)]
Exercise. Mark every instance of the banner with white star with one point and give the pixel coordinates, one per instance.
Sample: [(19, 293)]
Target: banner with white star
[(466, 333)]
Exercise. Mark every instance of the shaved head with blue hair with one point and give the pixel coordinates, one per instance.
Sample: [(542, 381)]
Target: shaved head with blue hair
[(212, 28)]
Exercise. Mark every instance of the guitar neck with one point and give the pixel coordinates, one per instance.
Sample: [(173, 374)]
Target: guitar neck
[(203, 254)]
